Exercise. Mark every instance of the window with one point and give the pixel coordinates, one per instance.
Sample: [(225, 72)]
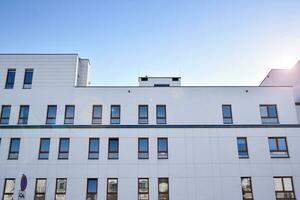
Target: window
[(28, 79), (64, 144), (92, 187), (44, 149), (113, 148), (40, 189), (143, 148), (242, 147), (163, 189), (161, 116), (5, 114), (143, 188), (10, 79), (69, 114), (94, 148), (112, 189), (51, 114), (162, 148), (246, 188), (23, 115), (227, 114), (143, 114), (61, 189), (9, 189), (268, 114), (115, 114), (97, 114), (284, 188), (278, 147), (14, 149)]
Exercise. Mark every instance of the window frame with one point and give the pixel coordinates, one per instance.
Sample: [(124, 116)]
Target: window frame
[(277, 147), (93, 152), (143, 152), (20, 119), (44, 152), (63, 152), (159, 156), (29, 84), (268, 117), (115, 118), (161, 118), (40, 193), (247, 150), (245, 192), (283, 187), (159, 193), (51, 118), (87, 187), (143, 193), (13, 152), (113, 152), (69, 118), (5, 118), (97, 118), (112, 193), (140, 119), (61, 193), (7, 84), (5, 183), (224, 117)]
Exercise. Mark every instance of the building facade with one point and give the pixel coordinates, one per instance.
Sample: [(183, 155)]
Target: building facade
[(157, 141)]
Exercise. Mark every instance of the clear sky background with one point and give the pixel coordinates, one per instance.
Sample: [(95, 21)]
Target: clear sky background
[(205, 42)]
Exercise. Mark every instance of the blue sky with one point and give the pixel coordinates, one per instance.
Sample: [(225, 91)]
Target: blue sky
[(205, 42)]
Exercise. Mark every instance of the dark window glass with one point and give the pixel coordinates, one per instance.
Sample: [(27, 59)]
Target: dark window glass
[(143, 148), (113, 148), (97, 114), (242, 147), (14, 149), (28, 78), (94, 148), (10, 79), (143, 189), (5, 114), (143, 114), (269, 114), (51, 114), (61, 189), (112, 189), (163, 189), (162, 148), (227, 114), (44, 148), (92, 187), (64, 144), (40, 189), (115, 114), (69, 114), (23, 115), (246, 188), (161, 115), (284, 188), (9, 189), (278, 147)]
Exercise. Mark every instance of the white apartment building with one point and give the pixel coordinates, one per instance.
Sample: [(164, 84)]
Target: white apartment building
[(155, 141)]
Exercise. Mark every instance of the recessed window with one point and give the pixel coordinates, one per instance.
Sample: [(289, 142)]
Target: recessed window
[(143, 114), (10, 79), (163, 189), (143, 148), (97, 114), (284, 188), (23, 114), (161, 115), (61, 189), (28, 79), (242, 147), (112, 189), (247, 188), (115, 114), (175, 79), (63, 152), (5, 114), (113, 148), (144, 79), (9, 189), (227, 114), (269, 114), (162, 148), (92, 188), (143, 188), (40, 189), (278, 147), (44, 149), (51, 114), (69, 114), (14, 149), (94, 148)]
